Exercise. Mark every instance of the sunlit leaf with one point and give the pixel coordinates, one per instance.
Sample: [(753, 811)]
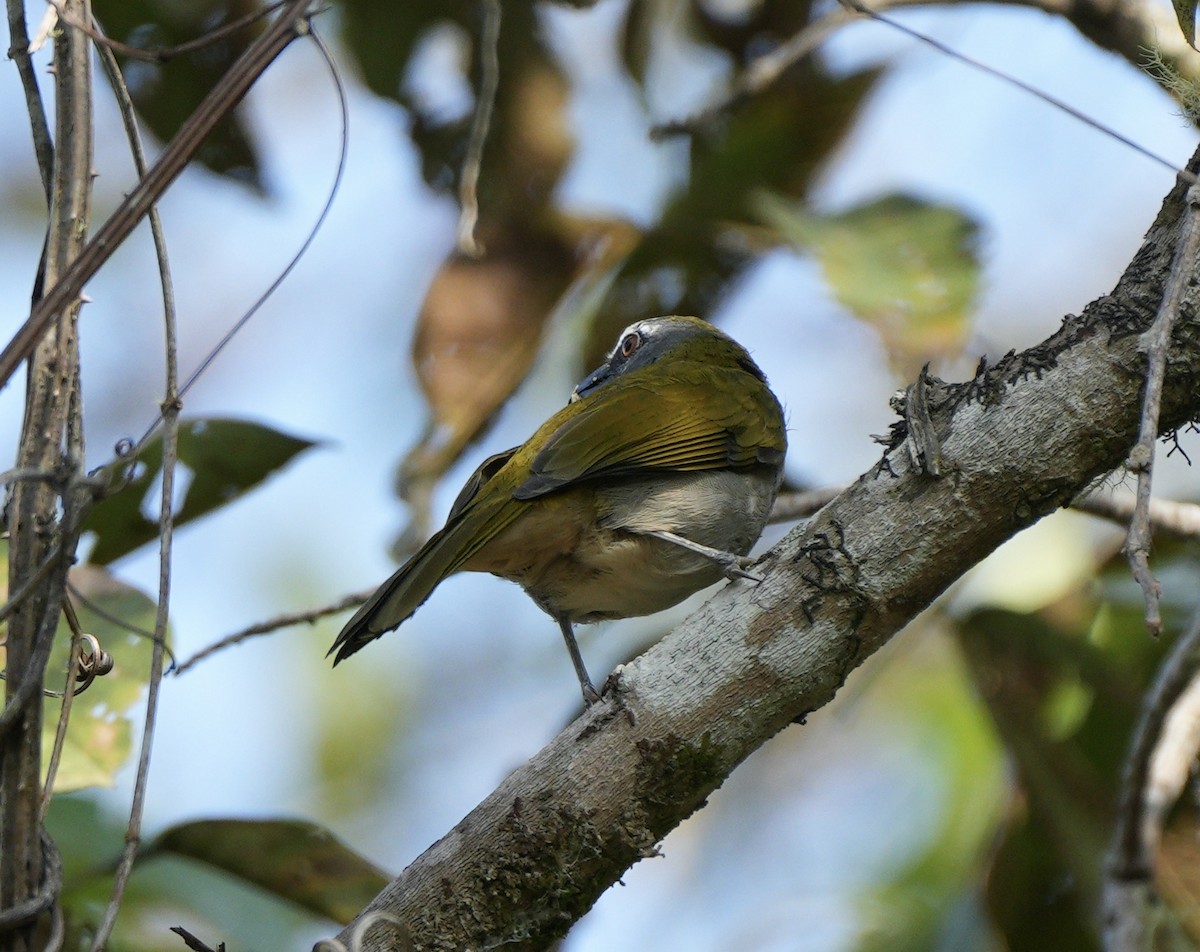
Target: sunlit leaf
[(225, 459), (98, 739), (166, 93), (908, 267), (293, 860)]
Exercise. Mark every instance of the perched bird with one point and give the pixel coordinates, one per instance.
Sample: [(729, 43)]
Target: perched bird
[(653, 482)]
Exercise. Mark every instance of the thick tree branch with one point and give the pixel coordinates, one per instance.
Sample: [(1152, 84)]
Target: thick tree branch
[(1022, 439), (40, 536)]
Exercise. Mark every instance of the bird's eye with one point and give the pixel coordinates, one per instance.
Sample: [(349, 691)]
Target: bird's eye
[(629, 344)]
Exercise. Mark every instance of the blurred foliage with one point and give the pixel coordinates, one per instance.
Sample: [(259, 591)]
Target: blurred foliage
[(1064, 686), (293, 860), (166, 92), (377, 716), (219, 460), (98, 738), (926, 688), (907, 267), (196, 875)]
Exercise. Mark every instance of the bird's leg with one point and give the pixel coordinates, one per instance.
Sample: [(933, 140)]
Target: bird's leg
[(734, 565), (590, 694)]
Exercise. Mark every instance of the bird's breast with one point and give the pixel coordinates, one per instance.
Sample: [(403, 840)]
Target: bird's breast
[(584, 553)]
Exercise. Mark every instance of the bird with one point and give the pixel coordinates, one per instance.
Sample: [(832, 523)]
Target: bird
[(653, 482)]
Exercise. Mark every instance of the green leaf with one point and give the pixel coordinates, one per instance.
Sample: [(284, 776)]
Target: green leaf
[(907, 266), (99, 735), (226, 458), (290, 859), (98, 739), (165, 94)]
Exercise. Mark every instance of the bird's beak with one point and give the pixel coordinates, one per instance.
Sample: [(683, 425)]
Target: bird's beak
[(591, 382)]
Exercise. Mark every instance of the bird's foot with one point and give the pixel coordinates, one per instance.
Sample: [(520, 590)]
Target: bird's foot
[(738, 566)]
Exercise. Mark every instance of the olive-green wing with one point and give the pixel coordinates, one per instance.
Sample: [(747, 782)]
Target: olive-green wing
[(693, 417)]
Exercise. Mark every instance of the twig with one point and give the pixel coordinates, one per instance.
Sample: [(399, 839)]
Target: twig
[(923, 443), (39, 126), (274, 624), (334, 188), (64, 714), (762, 73), (1141, 457), (1181, 519), (195, 944), (170, 448), (1167, 516), (179, 151), (1129, 890), (480, 122), (799, 505), (1052, 101)]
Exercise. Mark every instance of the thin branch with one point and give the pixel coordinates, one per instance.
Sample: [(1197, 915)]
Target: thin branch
[(1141, 457), (1180, 519), (42, 519), (133, 832), (228, 92), (1167, 516), (800, 505), (274, 624), (1129, 890), (39, 126), (480, 122), (170, 415), (64, 714), (194, 943)]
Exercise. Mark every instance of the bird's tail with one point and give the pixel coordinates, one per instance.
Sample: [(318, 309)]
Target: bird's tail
[(396, 599)]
